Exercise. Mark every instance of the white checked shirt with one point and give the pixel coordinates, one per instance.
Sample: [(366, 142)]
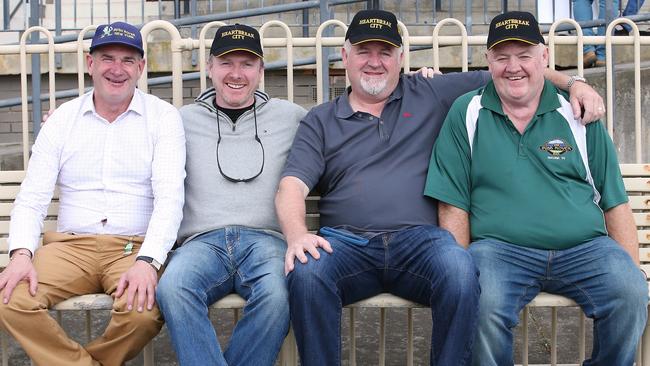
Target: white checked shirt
[(119, 178)]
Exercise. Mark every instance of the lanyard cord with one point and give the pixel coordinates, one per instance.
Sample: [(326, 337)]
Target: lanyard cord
[(257, 138)]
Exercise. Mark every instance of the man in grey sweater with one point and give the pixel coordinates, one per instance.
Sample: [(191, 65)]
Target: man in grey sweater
[(237, 142)]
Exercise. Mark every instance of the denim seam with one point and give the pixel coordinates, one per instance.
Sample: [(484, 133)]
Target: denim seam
[(585, 293)]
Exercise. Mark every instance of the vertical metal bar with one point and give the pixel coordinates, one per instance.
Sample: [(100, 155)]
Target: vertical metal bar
[(92, 11), (382, 337), (5, 348), (5, 20), (324, 16), (504, 6), (485, 12), (108, 12), (159, 9), (36, 69), (305, 22), (409, 339), (582, 333), (88, 326), (75, 12), (451, 9), (57, 29), (553, 336), (126, 14), (468, 25), (353, 339), (25, 16), (417, 11), (524, 346), (177, 9), (193, 29), (141, 11), (147, 354)]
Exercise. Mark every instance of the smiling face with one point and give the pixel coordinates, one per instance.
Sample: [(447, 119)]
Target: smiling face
[(517, 70), (235, 76), (115, 70), (373, 68)]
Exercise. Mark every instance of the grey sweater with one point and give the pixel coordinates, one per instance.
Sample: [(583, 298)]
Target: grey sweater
[(211, 201)]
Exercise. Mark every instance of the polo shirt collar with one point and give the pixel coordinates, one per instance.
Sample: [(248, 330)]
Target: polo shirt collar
[(343, 109), (136, 105), (548, 100)]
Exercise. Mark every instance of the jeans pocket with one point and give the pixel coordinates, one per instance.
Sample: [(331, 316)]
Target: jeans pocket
[(343, 235)]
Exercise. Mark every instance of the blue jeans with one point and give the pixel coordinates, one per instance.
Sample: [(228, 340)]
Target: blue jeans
[(422, 264), (598, 275), (582, 11), (205, 269), (632, 8)]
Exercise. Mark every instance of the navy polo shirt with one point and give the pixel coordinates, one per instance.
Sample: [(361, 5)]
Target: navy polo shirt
[(369, 170)]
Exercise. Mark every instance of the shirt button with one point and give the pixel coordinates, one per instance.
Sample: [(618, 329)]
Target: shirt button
[(371, 118)]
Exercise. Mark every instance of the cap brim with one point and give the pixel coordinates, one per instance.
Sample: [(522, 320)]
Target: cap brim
[(359, 40), (140, 50), (535, 42), (224, 52)]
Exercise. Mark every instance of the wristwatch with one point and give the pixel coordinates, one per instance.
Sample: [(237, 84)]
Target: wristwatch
[(154, 263), (573, 79)]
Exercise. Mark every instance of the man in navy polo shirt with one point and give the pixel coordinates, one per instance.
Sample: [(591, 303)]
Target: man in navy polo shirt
[(541, 198), (366, 153)]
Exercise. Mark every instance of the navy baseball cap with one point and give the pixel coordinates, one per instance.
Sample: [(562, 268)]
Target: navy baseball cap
[(236, 37), (374, 25), (117, 33), (514, 26)]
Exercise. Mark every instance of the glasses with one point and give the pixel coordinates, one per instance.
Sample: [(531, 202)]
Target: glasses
[(257, 138)]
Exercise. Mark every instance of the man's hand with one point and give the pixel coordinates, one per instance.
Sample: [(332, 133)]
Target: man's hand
[(46, 116), (297, 247), (426, 72), (142, 279), (20, 268), (584, 97)]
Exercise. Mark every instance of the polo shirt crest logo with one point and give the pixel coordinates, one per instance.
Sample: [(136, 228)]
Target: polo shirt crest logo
[(556, 147)]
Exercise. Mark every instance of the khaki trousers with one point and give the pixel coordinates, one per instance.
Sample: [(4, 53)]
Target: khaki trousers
[(69, 265)]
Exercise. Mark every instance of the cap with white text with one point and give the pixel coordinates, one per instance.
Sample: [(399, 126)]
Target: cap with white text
[(117, 33), (236, 37), (374, 25), (514, 26)]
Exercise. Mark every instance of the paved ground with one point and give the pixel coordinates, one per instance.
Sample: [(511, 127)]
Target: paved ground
[(367, 337)]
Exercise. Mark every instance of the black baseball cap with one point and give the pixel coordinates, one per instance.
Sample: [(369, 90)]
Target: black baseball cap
[(117, 33), (236, 37), (514, 26), (374, 25)]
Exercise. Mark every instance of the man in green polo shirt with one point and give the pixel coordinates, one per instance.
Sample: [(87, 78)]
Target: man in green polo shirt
[(541, 199)]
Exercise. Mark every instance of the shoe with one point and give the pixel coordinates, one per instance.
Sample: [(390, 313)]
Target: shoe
[(600, 63), (621, 31), (589, 59)]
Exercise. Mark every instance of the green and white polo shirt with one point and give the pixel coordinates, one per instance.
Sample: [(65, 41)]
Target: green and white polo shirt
[(546, 188)]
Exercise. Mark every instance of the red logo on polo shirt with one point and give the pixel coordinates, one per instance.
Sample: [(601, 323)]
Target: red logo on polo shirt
[(407, 115)]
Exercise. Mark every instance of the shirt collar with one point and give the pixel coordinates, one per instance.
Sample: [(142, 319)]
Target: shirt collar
[(136, 105), (343, 109), (548, 100)]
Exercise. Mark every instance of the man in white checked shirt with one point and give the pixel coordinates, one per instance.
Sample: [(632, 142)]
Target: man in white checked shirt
[(117, 156)]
